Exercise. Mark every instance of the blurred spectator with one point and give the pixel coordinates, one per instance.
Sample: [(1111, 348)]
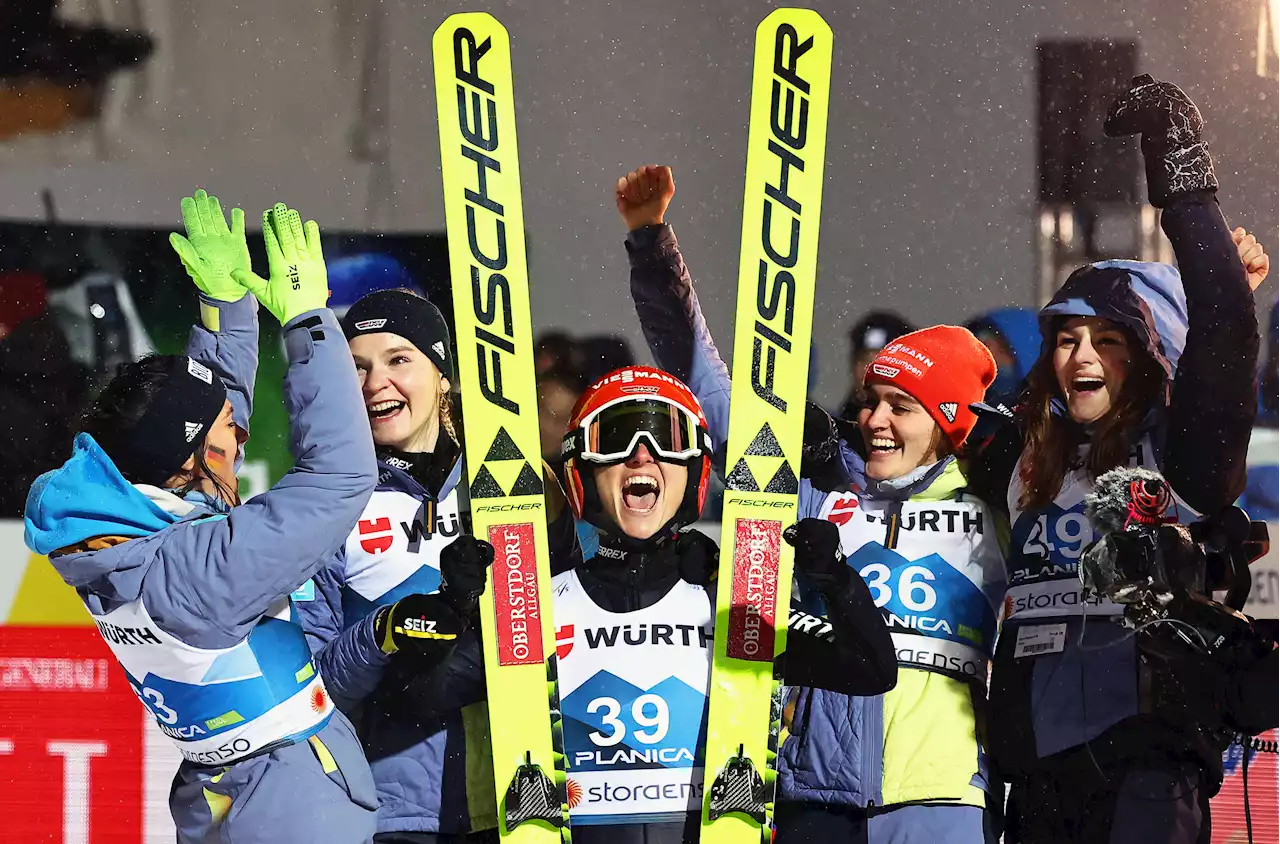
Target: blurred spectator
[(41, 389), (867, 337), (603, 354), (353, 276), (1013, 336), (558, 391), (555, 350)]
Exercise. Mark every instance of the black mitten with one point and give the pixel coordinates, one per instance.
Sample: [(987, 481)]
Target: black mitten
[(818, 555), (698, 557), (464, 565), (1177, 160)]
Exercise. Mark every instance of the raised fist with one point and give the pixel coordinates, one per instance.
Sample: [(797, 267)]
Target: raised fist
[(1177, 160), (1256, 261), (643, 196)]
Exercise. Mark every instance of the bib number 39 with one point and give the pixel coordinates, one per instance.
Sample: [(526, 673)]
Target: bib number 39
[(648, 728), (914, 591)]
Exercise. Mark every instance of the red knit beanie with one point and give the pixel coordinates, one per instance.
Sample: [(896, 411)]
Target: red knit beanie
[(945, 368)]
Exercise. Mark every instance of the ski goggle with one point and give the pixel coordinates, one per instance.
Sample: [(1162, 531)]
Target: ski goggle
[(612, 433)]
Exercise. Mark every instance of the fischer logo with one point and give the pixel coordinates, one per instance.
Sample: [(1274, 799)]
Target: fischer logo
[(885, 371), (755, 589), (370, 324), (375, 535), (776, 288), (515, 594), (480, 142)]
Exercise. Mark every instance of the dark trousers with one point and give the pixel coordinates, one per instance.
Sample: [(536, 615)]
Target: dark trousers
[(1152, 805), (488, 836)]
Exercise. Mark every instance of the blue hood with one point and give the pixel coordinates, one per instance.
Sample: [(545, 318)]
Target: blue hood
[(87, 497), (1146, 298)]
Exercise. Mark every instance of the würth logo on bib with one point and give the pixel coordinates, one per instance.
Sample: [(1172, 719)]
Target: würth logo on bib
[(755, 590), (515, 594)]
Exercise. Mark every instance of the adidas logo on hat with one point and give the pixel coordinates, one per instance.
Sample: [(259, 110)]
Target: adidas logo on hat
[(192, 429), (438, 347), (949, 409)]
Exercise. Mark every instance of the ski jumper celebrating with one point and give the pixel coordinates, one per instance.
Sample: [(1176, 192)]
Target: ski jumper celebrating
[(634, 623), (418, 703), (190, 587), (1141, 365), (908, 765)]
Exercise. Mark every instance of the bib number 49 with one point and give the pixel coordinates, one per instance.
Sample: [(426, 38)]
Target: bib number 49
[(1066, 537)]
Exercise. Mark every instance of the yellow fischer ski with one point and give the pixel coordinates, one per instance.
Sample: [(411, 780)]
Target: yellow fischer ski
[(485, 223), (782, 207)]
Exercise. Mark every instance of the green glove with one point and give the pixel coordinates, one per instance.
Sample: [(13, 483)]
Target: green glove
[(211, 251), (299, 281)]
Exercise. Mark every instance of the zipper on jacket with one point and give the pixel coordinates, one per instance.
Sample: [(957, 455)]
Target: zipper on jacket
[(891, 531), (633, 593)]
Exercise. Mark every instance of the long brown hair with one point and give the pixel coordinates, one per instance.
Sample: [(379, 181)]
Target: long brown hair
[(1052, 440)]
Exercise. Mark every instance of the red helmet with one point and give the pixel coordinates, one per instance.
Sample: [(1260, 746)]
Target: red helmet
[(614, 415)]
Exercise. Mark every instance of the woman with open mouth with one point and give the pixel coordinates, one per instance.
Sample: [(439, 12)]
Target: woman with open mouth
[(1140, 366), (418, 702), (908, 765), (189, 586), (634, 623)]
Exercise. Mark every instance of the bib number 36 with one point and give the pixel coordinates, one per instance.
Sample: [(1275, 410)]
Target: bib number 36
[(913, 589)]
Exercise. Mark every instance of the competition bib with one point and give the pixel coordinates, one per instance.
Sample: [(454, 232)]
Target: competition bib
[(935, 571), (1045, 548), (395, 550), (219, 706), (634, 698)]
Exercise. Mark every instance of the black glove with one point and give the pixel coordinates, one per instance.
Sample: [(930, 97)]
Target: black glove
[(1177, 160), (464, 565), (427, 626), (818, 555), (698, 558)]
